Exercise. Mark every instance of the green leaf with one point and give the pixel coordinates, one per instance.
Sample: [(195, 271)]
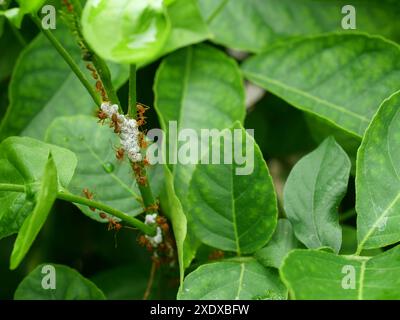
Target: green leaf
[(32, 225), (241, 280), (363, 69), (70, 285), (311, 274), (123, 283), (129, 31), (230, 211), (320, 129), (8, 58), (188, 90), (43, 87), (14, 15), (191, 99), (31, 6), (187, 25), (110, 180), (265, 22), (283, 241), (172, 207), (312, 194), (22, 162), (378, 179)]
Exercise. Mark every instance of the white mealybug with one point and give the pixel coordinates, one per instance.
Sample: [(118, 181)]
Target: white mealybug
[(157, 239), (129, 132)]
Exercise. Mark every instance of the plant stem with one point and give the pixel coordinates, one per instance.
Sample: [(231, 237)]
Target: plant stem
[(116, 213), (147, 194), (105, 76), (145, 189), (12, 187), (99, 64), (69, 60), (150, 281), (149, 230), (132, 91)]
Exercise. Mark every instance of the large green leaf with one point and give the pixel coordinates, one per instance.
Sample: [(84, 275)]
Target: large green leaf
[(111, 181), (199, 87), (172, 207), (311, 274), (230, 211), (187, 25), (233, 280), (312, 194), (22, 161), (70, 285), (124, 282), (43, 87), (32, 225), (263, 22), (378, 179), (358, 73), (282, 242)]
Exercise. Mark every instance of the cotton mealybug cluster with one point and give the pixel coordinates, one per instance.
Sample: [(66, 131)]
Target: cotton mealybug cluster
[(127, 129), (157, 239)]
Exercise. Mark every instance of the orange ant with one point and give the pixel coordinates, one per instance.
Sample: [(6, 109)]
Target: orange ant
[(88, 195), (144, 242), (119, 153), (100, 89), (153, 207), (115, 123), (142, 180), (69, 6), (142, 140), (93, 71), (146, 162), (102, 116), (113, 224), (137, 169), (141, 110), (216, 255), (162, 222)]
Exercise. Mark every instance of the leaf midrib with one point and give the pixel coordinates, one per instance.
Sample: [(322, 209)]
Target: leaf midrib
[(308, 96), (123, 185)]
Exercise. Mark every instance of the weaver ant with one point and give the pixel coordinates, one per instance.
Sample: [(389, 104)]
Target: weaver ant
[(141, 110), (69, 6), (162, 222), (115, 123), (154, 207), (113, 224), (93, 71), (101, 90), (144, 242), (102, 116), (120, 153), (216, 255), (142, 140), (142, 180), (88, 195)]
